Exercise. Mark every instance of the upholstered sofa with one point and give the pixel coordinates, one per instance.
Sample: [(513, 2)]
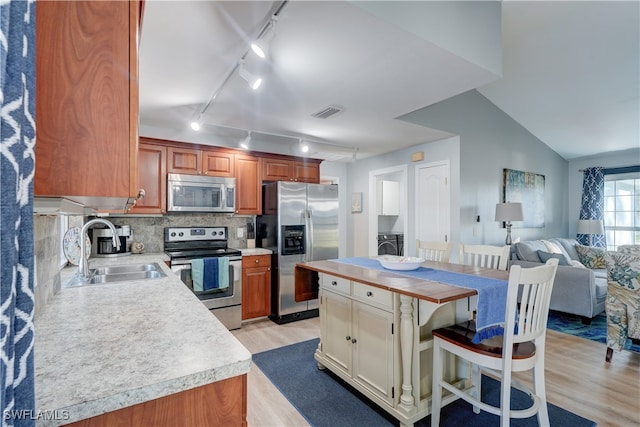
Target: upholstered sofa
[(577, 289)]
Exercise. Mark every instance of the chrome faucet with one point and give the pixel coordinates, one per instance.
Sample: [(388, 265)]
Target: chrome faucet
[(83, 266)]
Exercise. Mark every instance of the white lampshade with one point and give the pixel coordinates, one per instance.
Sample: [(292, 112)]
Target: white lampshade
[(508, 212), (590, 226)]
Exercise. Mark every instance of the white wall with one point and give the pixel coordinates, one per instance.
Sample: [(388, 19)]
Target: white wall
[(358, 181), (610, 160)]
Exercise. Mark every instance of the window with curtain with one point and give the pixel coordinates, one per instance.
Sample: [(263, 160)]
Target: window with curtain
[(622, 207)]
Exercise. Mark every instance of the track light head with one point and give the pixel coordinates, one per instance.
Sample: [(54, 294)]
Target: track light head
[(261, 46), (304, 147), (245, 142), (254, 82)]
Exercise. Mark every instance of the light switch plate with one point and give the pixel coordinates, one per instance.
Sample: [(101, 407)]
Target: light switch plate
[(240, 233)]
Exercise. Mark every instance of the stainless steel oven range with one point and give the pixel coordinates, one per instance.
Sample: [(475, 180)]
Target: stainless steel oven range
[(185, 244)]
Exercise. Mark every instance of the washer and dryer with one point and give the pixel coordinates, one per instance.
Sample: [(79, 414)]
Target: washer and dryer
[(390, 244)]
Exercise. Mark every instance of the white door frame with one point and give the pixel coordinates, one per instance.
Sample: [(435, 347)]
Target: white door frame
[(373, 203)]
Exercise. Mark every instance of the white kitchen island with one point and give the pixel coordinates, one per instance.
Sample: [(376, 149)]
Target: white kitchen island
[(137, 347), (375, 330)]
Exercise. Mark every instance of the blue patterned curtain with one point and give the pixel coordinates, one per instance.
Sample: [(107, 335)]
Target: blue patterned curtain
[(17, 163), (592, 203)]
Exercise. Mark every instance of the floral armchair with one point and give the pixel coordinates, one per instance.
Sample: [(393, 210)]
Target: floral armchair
[(623, 299)]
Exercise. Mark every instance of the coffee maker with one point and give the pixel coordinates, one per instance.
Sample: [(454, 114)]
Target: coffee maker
[(102, 241)]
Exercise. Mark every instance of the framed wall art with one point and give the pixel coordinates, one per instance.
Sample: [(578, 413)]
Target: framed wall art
[(356, 202), (528, 189)]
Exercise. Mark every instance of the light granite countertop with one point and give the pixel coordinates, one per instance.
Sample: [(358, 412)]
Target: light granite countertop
[(103, 347)]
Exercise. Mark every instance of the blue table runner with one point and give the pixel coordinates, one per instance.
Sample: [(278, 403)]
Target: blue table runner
[(492, 293)]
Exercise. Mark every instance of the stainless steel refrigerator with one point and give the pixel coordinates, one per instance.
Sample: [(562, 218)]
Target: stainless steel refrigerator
[(299, 224)]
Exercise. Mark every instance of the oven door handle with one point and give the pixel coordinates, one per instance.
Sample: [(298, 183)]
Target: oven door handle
[(178, 268)]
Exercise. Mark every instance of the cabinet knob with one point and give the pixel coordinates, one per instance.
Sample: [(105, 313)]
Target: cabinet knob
[(141, 194), (334, 283), (353, 341), (369, 293), (257, 261), (348, 338)]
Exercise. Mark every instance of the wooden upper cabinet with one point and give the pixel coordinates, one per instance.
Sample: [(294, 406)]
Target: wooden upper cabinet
[(200, 162), (306, 172), (281, 169), (248, 185), (184, 160), (152, 178), (87, 101), (276, 169), (218, 163)]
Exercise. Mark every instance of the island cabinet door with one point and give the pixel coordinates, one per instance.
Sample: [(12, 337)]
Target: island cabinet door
[(335, 325), (372, 340)]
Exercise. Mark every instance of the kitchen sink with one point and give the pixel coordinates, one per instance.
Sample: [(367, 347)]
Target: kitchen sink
[(120, 277), (118, 273), (127, 268)]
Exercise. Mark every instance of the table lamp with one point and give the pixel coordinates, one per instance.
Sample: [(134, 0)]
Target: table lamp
[(507, 212), (590, 227)]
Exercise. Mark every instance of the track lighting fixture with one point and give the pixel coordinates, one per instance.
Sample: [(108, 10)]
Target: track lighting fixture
[(245, 142), (261, 45), (304, 147), (254, 82)]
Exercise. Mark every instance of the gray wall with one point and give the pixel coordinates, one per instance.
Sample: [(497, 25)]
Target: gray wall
[(490, 141)]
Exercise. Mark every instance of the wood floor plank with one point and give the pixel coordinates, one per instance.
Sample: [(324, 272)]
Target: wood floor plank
[(577, 377)]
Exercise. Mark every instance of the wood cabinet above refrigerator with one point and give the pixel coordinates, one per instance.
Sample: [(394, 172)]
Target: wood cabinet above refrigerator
[(87, 101)]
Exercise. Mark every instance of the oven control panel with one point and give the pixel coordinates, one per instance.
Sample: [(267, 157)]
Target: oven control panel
[(180, 234)]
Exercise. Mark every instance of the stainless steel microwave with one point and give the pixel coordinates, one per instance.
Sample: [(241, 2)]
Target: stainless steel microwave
[(195, 193)]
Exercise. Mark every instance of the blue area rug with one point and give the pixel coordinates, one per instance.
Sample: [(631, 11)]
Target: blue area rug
[(596, 331), (325, 400)]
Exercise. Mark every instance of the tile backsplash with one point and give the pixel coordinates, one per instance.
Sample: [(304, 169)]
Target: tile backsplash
[(150, 230)]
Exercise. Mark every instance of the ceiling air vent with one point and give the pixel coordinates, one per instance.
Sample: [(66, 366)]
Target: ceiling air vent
[(328, 112)]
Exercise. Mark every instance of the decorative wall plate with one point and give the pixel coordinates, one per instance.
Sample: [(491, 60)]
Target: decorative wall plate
[(71, 245)]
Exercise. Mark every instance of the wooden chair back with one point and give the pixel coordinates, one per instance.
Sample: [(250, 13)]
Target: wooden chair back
[(433, 251), (485, 256)]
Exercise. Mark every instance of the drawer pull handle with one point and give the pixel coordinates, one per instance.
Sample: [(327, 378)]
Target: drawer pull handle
[(369, 293), (348, 338), (334, 283)]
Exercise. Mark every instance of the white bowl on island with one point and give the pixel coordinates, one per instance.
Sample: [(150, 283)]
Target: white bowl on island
[(393, 262)]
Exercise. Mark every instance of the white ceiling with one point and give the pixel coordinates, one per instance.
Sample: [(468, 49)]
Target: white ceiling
[(568, 72)]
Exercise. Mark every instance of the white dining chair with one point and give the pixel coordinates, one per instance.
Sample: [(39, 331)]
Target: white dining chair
[(521, 348), (433, 250), (485, 256)]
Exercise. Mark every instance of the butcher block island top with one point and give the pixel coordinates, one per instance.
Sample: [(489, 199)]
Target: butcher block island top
[(103, 347), (436, 292)]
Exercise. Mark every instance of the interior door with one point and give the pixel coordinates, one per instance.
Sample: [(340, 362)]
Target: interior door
[(433, 202)]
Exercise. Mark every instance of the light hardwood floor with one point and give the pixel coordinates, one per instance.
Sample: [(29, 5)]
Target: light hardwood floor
[(577, 377)]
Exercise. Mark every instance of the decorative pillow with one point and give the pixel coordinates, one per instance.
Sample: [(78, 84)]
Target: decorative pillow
[(575, 263), (591, 256), (544, 256), (527, 251), (556, 248)]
